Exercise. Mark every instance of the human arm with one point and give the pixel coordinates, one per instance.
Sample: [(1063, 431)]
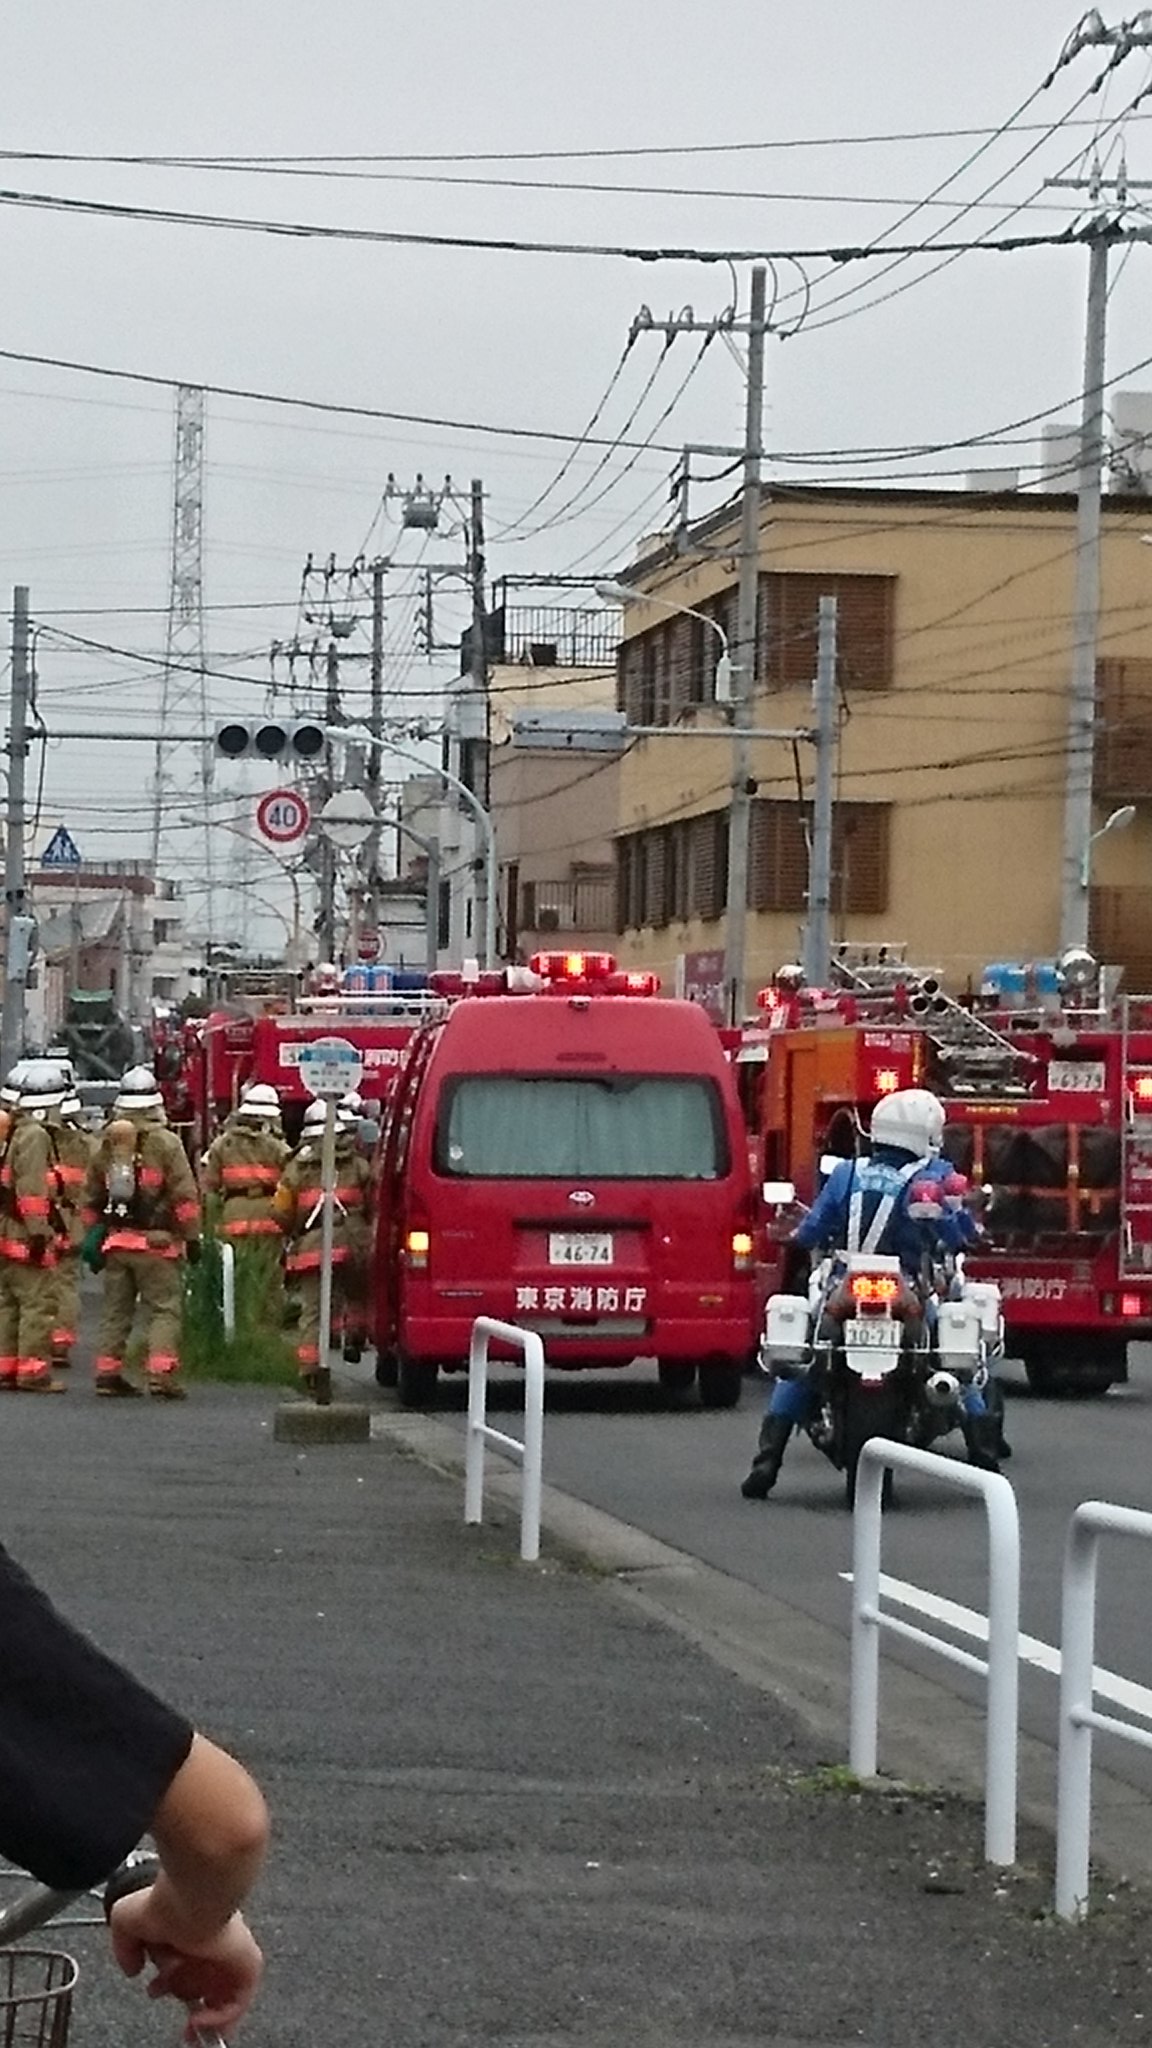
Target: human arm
[(182, 1190), (826, 1221), (211, 1832)]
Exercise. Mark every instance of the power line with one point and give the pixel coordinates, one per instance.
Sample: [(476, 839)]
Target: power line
[(335, 159)]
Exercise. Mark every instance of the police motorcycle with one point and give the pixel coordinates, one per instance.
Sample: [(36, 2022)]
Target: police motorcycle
[(880, 1345)]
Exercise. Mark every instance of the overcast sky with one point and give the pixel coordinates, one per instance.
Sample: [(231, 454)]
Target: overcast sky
[(504, 339)]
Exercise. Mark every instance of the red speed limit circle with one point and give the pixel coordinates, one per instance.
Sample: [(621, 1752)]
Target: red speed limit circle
[(282, 816)]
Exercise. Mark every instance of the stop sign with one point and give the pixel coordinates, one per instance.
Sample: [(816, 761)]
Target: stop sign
[(282, 816)]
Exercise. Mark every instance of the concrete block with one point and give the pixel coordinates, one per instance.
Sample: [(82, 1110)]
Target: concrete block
[(302, 1422)]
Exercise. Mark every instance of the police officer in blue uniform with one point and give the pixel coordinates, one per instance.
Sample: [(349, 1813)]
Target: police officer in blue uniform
[(864, 1207)]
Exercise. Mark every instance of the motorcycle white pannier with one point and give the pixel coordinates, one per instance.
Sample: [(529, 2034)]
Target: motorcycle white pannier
[(786, 1329), (959, 1335)]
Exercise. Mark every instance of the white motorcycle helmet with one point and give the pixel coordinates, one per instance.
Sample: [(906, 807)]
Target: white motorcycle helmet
[(911, 1120)]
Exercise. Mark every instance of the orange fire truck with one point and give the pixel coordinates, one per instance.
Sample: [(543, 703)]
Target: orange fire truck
[(1046, 1080)]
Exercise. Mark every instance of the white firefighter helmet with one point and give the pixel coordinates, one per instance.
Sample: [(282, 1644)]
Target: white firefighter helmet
[(315, 1117), (137, 1091), (260, 1102), (911, 1120), (42, 1085), (72, 1109), (10, 1092), (349, 1111)]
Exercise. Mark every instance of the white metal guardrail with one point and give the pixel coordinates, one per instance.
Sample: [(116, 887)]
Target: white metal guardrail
[(480, 1432), (1078, 1717), (1001, 1668)]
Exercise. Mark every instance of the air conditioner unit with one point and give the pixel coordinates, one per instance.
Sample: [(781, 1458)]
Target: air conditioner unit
[(548, 918)]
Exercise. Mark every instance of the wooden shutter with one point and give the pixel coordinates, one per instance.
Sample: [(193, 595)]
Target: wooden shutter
[(778, 857), (860, 858), (1122, 770), (655, 879), (1120, 934), (789, 614)]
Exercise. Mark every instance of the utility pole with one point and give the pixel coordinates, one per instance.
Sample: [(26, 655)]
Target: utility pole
[(478, 649), (1121, 41), (743, 699), (744, 667), (376, 727), (818, 928), (15, 889), (326, 927)]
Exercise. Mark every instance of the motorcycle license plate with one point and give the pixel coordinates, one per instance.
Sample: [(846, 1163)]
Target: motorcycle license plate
[(880, 1335), (580, 1248)]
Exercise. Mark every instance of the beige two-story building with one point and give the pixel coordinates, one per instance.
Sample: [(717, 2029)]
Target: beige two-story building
[(955, 654)]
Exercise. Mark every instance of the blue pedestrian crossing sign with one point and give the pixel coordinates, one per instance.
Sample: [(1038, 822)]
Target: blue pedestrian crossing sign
[(61, 850)]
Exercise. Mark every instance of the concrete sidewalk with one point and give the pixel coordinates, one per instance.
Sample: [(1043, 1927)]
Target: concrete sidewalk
[(510, 1807)]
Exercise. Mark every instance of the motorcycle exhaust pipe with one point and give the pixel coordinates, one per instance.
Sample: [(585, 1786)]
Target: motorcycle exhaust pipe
[(942, 1388)]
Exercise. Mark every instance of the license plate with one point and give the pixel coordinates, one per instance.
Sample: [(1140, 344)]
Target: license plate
[(1076, 1077), (880, 1335), (579, 1248)]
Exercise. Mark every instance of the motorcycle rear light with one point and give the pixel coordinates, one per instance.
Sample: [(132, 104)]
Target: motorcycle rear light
[(417, 1245), (874, 1290), (741, 1251), (1131, 1305)]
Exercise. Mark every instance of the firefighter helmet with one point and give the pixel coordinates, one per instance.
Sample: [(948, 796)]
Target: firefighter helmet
[(42, 1085), (10, 1092), (137, 1091), (260, 1101), (72, 1108), (911, 1120), (315, 1118)]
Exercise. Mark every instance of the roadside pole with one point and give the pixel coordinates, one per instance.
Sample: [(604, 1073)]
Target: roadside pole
[(330, 1068), (15, 888), (818, 928), (744, 664)]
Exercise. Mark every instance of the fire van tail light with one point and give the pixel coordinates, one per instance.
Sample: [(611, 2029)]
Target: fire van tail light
[(1131, 1305), (874, 1290), (742, 1249), (417, 1245)]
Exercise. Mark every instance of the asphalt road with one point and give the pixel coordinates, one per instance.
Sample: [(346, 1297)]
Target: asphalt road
[(612, 1440)]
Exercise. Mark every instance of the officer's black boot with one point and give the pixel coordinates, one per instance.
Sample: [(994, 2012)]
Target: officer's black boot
[(775, 1431), (982, 1438)]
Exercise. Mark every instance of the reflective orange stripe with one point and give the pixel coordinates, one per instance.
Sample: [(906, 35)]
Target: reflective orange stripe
[(266, 1175), (19, 1251), (150, 1176), (70, 1176), (187, 1212), (306, 1262), (162, 1361), (32, 1205), (252, 1226), (137, 1241)]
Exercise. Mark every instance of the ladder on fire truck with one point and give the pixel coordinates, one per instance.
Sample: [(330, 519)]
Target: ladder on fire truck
[(1135, 1139), (974, 1060)]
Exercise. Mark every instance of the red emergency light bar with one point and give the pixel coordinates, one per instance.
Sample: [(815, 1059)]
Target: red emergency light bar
[(573, 966)]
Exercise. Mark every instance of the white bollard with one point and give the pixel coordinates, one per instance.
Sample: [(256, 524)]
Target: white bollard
[(228, 1287), (479, 1432)]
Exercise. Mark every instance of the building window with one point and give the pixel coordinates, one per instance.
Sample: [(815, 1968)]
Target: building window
[(788, 619), (778, 857), (1122, 768)]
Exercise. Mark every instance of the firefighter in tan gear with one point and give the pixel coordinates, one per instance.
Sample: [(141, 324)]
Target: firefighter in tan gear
[(72, 1149), (243, 1166), (300, 1208), (143, 1219), (31, 1228)]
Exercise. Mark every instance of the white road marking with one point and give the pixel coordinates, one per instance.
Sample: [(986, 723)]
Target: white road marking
[(965, 1621)]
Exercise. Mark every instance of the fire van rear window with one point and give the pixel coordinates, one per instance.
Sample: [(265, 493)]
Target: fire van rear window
[(618, 1127)]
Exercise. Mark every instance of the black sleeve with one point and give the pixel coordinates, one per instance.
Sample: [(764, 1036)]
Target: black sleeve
[(86, 1752)]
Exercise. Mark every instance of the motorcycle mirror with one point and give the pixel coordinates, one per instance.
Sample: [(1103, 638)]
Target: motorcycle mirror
[(778, 1194)]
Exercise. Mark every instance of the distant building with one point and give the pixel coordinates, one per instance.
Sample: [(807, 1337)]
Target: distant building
[(555, 796), (107, 925)]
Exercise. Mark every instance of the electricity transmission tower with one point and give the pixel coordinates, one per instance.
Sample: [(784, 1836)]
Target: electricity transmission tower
[(185, 684)]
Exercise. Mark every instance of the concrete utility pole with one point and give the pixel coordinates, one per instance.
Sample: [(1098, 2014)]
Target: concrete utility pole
[(376, 726), (744, 666), (1074, 892), (15, 891), (326, 925), (818, 928), (478, 648)]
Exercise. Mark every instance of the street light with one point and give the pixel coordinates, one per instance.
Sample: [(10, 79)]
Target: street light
[(620, 593), (1118, 822)]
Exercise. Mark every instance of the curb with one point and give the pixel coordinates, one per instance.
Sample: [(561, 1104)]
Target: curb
[(930, 1734)]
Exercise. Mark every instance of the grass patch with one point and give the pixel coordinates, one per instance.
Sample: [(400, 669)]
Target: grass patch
[(261, 1353)]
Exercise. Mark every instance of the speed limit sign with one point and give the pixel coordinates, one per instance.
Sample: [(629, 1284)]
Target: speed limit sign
[(282, 816)]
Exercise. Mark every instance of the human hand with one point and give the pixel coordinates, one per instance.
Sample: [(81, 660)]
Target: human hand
[(217, 1977)]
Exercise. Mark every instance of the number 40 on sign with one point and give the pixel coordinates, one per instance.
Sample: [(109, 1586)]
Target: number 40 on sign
[(282, 816)]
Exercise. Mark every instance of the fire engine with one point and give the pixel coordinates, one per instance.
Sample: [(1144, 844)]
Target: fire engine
[(206, 1068), (564, 1150), (1046, 1080)]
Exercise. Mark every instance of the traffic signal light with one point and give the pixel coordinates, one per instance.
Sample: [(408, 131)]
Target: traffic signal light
[(270, 739)]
